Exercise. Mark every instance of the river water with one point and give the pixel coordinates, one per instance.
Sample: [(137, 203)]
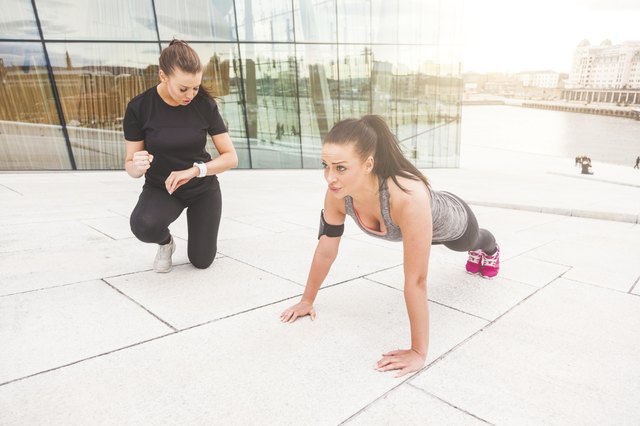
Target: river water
[(555, 133)]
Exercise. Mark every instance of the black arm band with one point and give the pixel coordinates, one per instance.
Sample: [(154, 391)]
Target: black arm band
[(329, 230)]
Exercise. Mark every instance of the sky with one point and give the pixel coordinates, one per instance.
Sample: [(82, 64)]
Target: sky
[(512, 36)]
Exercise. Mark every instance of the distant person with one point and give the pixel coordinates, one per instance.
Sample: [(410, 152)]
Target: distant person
[(637, 166), (586, 166), (165, 129), (370, 180)]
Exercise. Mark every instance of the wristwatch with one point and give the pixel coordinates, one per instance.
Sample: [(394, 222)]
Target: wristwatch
[(202, 167)]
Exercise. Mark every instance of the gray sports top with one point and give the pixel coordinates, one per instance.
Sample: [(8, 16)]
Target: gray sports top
[(449, 216)]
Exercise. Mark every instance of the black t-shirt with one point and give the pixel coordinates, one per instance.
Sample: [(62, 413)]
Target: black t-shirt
[(175, 135)]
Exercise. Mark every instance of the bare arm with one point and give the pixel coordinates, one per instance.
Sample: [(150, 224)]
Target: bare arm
[(417, 248), (228, 159), (324, 256), (137, 160), (412, 212), (225, 161)]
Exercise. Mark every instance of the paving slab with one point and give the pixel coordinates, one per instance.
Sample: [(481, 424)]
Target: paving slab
[(116, 227), (531, 271), (571, 227), (44, 212), (46, 329), (59, 235), (567, 355), (246, 369), (453, 287), (272, 222), (47, 267), (8, 193), (289, 254), (411, 406), (231, 229), (188, 296), (613, 264)]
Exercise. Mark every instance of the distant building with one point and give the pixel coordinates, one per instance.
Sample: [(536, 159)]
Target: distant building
[(606, 66), (545, 85), (542, 79)]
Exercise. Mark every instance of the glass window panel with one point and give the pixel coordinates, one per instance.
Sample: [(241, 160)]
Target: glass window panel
[(420, 21), (17, 20), (384, 83), (407, 95), (384, 18), (193, 20), (30, 133), (318, 91), (354, 66), (95, 82), (427, 87), (451, 27), (424, 147), (270, 79), (97, 19), (316, 21), (354, 21), (222, 77), (260, 20)]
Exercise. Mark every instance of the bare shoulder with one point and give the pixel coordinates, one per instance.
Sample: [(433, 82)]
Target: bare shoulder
[(406, 206), (416, 194)]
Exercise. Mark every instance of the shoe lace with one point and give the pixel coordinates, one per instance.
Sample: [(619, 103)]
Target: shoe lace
[(491, 260), (474, 256)]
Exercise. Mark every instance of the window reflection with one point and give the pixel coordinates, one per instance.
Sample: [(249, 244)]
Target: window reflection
[(97, 19), (260, 20), (95, 82), (319, 100), (354, 63), (315, 21), (385, 24), (272, 105), (354, 21), (30, 131), (283, 73), (453, 32), (420, 21), (17, 20), (196, 20), (222, 77)]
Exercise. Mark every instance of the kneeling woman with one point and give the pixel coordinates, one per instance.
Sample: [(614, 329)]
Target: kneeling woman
[(166, 130), (370, 180)]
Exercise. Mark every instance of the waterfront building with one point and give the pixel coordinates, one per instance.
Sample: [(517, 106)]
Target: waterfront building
[(284, 71), (542, 79), (606, 73), (606, 66)]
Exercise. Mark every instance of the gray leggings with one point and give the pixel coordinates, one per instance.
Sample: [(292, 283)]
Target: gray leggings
[(474, 238)]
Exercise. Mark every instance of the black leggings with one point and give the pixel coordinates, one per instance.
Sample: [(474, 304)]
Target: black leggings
[(156, 210), (474, 238)]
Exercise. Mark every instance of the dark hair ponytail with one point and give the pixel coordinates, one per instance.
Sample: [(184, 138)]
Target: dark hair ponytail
[(372, 136), (179, 55)]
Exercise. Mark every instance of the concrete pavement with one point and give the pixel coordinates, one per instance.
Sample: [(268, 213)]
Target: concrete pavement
[(91, 335)]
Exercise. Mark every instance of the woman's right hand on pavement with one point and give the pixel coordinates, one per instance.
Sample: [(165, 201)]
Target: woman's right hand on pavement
[(300, 309), (142, 161)]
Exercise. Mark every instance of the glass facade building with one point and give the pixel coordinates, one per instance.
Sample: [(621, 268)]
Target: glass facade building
[(284, 71)]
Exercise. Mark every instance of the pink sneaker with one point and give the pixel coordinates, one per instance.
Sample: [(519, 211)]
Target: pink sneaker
[(490, 264), (474, 263)]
